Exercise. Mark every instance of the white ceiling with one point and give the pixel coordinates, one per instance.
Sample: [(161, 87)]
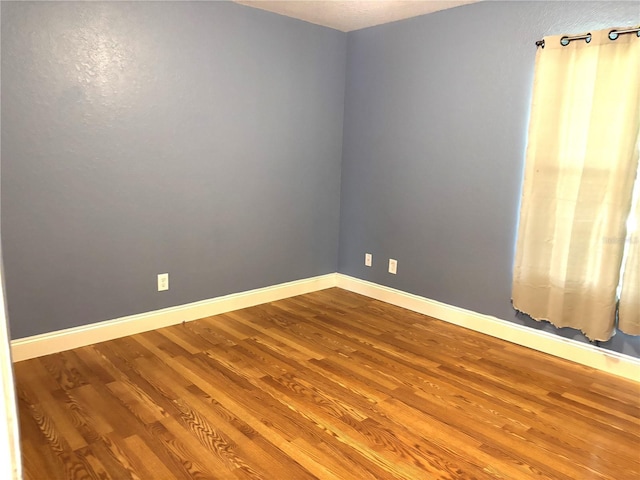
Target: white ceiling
[(353, 14)]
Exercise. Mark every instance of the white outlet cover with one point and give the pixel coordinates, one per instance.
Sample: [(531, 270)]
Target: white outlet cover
[(393, 266), (163, 282), (368, 259)]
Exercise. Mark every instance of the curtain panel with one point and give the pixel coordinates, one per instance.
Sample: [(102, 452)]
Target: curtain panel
[(581, 163), (629, 310)]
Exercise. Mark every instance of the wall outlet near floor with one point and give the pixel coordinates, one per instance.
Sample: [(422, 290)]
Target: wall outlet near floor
[(163, 282), (368, 259), (393, 266)]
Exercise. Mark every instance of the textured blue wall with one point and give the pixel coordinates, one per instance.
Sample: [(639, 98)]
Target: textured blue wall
[(203, 139), (435, 131)]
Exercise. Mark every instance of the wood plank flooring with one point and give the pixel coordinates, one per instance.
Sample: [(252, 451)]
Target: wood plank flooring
[(328, 385)]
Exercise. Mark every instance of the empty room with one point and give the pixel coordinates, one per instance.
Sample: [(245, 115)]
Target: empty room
[(320, 240)]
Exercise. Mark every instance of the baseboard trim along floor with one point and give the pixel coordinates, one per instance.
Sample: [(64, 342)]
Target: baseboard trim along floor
[(582, 353), (58, 341), (585, 354)]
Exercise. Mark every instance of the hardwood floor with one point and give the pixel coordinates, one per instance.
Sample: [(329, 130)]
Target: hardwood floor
[(328, 385)]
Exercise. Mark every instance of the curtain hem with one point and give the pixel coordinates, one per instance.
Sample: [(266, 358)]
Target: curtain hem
[(556, 325)]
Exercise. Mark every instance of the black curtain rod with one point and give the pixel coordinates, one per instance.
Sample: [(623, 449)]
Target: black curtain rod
[(613, 34)]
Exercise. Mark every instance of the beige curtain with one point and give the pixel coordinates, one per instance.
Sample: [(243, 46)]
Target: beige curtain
[(581, 163), (629, 313)]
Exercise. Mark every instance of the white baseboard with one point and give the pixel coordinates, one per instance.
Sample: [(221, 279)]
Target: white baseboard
[(585, 354), (61, 340), (568, 349)]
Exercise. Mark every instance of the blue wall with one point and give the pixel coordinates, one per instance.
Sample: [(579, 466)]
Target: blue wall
[(203, 139), (435, 131)]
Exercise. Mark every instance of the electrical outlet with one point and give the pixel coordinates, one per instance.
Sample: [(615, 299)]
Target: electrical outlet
[(368, 259), (393, 266), (163, 282)]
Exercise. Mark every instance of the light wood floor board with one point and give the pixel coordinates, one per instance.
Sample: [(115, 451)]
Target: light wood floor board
[(326, 385)]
